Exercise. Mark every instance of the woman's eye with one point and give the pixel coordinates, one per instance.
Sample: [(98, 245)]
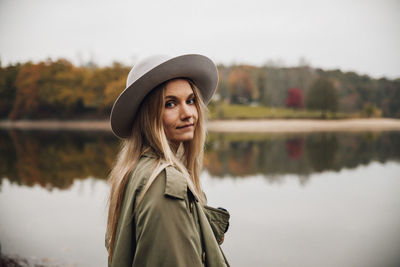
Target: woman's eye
[(190, 101), (170, 104)]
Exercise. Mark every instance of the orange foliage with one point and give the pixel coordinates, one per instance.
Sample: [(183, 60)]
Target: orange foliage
[(26, 100), (112, 90), (241, 85)]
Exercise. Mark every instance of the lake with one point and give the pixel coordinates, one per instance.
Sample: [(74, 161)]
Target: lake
[(317, 199)]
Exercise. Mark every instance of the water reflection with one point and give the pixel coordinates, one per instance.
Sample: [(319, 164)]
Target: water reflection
[(54, 159), (322, 152), (301, 154)]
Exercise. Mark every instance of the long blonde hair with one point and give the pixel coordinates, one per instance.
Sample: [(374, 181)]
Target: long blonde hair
[(148, 133)]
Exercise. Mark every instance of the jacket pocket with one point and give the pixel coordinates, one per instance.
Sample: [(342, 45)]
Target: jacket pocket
[(219, 221)]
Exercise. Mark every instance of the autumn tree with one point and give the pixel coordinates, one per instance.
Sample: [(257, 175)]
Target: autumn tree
[(295, 98), (60, 88), (241, 85), (8, 75), (101, 85), (26, 99), (322, 96), (223, 87), (111, 92)]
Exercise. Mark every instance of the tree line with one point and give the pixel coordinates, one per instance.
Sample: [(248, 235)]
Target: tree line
[(56, 89)]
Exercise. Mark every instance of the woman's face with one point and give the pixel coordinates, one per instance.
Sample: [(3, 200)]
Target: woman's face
[(180, 111)]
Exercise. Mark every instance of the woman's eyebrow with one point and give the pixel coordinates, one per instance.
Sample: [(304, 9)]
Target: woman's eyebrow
[(174, 97)]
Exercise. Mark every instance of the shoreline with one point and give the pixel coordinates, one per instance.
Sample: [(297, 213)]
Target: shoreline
[(228, 126)]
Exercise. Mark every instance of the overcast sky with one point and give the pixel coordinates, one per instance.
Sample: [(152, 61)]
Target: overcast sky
[(353, 35)]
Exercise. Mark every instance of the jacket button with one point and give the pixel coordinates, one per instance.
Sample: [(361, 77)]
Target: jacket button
[(191, 206), (203, 257)]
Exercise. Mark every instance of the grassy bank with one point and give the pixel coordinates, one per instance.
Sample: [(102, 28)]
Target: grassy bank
[(231, 112)]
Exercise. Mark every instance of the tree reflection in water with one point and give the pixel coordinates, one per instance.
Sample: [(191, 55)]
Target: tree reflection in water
[(295, 147), (54, 159), (321, 151)]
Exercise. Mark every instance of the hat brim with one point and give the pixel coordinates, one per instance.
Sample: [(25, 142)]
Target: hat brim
[(200, 69)]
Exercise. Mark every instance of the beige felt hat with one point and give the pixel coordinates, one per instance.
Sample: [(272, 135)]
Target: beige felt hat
[(152, 71)]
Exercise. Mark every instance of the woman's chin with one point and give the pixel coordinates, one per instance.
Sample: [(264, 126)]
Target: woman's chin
[(183, 138)]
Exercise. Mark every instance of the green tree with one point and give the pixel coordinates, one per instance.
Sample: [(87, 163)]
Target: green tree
[(322, 96), (394, 100), (261, 84)]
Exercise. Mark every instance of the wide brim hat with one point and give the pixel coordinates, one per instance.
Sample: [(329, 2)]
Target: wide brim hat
[(152, 71)]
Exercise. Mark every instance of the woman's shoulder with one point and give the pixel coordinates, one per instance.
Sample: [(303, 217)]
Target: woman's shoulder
[(174, 185), (146, 163), (150, 165), (143, 170)]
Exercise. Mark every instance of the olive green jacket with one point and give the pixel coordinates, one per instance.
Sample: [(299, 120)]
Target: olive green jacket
[(169, 227)]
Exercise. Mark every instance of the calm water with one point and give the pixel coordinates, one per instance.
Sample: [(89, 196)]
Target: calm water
[(329, 199)]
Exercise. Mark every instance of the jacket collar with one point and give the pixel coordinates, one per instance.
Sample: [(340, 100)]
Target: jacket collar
[(149, 153), (176, 185)]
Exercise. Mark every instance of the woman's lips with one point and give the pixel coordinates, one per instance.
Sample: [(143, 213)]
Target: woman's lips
[(185, 126)]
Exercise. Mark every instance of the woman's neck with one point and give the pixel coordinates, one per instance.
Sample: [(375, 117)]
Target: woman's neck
[(174, 147)]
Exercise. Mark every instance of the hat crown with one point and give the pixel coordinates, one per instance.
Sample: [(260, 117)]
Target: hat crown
[(143, 66)]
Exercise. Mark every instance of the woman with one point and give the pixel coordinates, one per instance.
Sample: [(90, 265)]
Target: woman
[(158, 214)]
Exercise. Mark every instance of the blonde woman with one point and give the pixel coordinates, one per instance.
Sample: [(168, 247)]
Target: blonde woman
[(158, 214)]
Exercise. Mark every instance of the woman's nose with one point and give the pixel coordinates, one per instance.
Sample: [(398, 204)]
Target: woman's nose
[(186, 111)]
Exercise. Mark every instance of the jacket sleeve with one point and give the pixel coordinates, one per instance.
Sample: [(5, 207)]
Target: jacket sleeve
[(166, 233)]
